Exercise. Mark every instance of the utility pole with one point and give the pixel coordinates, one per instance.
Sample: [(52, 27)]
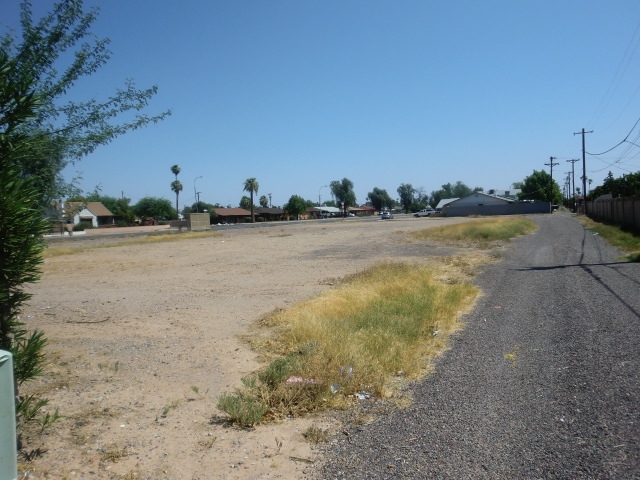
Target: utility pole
[(584, 170), (195, 194), (573, 179), (551, 164)]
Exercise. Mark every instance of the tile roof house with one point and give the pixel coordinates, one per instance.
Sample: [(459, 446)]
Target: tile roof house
[(232, 215), (363, 211), (270, 214)]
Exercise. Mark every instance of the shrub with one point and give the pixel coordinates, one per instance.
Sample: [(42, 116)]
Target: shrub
[(278, 371), (242, 407), (82, 226)]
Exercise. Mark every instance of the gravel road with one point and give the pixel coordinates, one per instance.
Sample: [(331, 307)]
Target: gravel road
[(544, 382)]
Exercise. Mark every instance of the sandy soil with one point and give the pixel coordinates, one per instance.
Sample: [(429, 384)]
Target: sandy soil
[(144, 338)]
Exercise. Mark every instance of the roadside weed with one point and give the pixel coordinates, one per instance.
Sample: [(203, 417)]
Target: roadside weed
[(618, 237)]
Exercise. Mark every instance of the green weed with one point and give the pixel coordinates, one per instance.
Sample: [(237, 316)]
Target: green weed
[(616, 236), (242, 408)]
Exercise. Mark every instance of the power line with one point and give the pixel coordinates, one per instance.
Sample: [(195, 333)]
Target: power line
[(618, 144), (617, 77)]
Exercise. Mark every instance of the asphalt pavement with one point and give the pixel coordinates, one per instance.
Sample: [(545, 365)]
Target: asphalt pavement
[(544, 381)]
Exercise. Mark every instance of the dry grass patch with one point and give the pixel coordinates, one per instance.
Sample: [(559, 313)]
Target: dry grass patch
[(481, 232), (57, 251), (351, 342)]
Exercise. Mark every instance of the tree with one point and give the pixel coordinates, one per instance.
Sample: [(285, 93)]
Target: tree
[(251, 185), (176, 186), (202, 207), (264, 201), (54, 53), (626, 186), (380, 199), (539, 186), (153, 208), (21, 230), (41, 132), (459, 190), (343, 192), (406, 193), (296, 206), (245, 202)]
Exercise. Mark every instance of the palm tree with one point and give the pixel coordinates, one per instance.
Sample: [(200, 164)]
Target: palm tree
[(251, 186), (176, 186)]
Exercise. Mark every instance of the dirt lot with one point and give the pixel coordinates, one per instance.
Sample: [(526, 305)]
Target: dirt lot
[(144, 338)]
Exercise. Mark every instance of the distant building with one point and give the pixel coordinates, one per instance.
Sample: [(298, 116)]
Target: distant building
[(511, 194), (232, 215), (444, 202), (90, 212), (323, 212), (270, 214), (484, 204)]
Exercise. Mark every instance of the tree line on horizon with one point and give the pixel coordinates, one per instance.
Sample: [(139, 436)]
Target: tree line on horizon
[(539, 186)]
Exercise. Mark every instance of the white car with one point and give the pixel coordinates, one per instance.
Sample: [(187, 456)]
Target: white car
[(425, 212)]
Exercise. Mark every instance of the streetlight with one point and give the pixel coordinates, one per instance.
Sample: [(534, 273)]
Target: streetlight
[(319, 190), (195, 194)]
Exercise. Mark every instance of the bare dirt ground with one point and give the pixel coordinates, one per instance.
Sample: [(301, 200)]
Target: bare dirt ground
[(144, 338)]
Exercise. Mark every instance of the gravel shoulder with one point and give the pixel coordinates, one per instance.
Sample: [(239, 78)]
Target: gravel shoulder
[(544, 381)]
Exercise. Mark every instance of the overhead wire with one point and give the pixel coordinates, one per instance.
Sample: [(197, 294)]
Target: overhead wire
[(621, 161), (618, 163), (617, 77), (619, 143)]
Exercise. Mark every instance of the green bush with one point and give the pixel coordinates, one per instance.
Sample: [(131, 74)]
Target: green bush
[(82, 226), (242, 407), (278, 371)]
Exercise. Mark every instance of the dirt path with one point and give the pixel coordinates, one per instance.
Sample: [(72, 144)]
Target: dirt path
[(144, 339)]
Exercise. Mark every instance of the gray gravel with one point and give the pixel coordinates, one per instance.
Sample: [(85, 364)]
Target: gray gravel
[(544, 382)]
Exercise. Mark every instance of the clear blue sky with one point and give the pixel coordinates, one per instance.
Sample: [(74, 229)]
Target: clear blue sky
[(300, 93)]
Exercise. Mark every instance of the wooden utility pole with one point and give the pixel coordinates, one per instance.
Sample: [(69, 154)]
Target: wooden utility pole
[(573, 180), (584, 170), (551, 164)]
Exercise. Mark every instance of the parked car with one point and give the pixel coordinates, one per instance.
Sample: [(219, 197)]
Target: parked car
[(425, 212), (386, 215)]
